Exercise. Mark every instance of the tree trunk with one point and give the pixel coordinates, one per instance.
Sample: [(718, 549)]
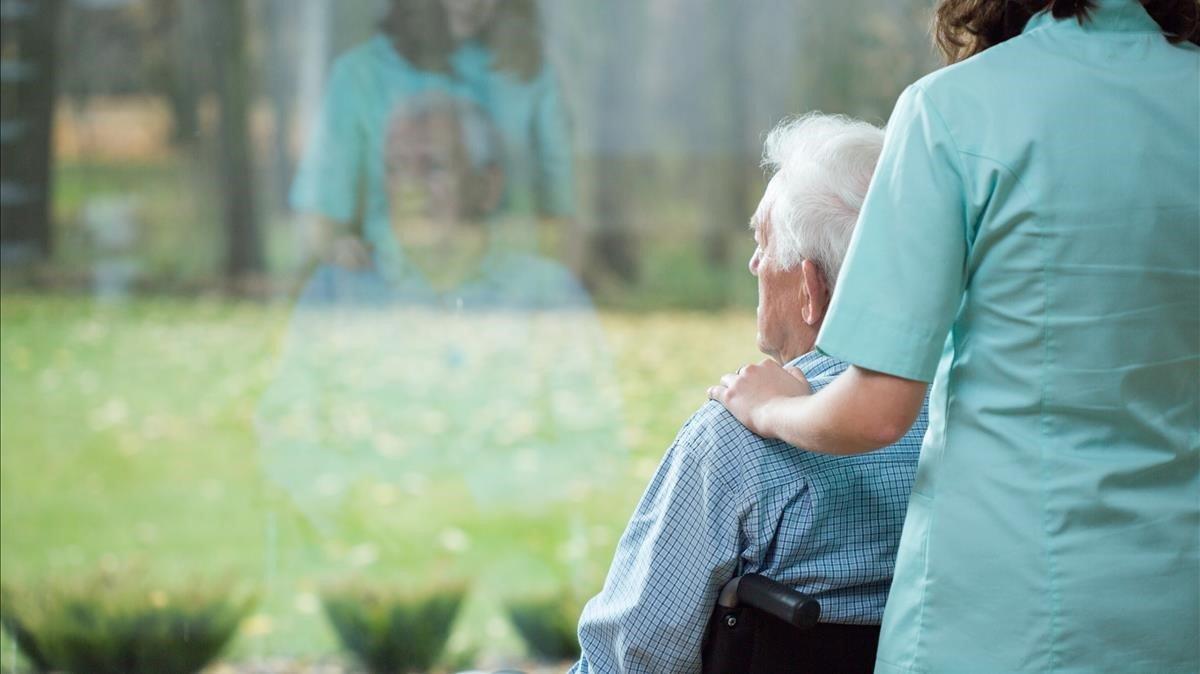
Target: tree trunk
[(244, 256), (281, 58), (613, 246), (28, 42), (726, 195)]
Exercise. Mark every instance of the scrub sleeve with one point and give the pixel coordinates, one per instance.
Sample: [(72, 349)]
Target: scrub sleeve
[(552, 136), (333, 167)]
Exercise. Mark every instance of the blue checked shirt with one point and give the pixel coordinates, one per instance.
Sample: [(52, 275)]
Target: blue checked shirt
[(725, 502)]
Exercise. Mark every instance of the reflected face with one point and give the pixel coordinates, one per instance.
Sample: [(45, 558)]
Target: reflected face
[(432, 187), (780, 292), (467, 18)]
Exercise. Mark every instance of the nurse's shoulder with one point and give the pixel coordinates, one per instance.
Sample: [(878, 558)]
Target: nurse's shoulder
[(361, 59), (976, 96), (1002, 107)]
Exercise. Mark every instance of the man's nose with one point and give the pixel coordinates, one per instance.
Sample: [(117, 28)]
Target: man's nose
[(754, 263)]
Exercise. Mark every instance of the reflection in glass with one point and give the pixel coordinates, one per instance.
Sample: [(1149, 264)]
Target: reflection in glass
[(301, 294), (486, 51), (452, 382)]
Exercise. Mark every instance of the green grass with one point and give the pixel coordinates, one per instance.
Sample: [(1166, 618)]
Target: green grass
[(177, 211), (128, 442)]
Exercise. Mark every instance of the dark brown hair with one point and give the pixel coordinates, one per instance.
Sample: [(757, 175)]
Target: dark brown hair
[(420, 32), (963, 28), (515, 38)]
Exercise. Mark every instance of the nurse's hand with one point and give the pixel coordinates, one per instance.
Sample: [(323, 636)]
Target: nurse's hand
[(349, 252), (748, 393)]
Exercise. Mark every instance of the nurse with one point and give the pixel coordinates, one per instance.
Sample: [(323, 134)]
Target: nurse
[(1030, 244)]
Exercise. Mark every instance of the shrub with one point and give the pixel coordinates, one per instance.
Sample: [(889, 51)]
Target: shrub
[(17, 629), (390, 630), (547, 625), (108, 626)]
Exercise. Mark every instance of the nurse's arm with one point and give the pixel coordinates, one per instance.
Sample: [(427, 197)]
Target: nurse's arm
[(860, 411), (329, 241)]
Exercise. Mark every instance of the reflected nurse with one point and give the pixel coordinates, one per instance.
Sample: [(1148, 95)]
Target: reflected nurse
[(1034, 226), (484, 50)]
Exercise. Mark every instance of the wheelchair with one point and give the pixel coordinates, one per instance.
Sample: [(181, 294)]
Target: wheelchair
[(760, 626)]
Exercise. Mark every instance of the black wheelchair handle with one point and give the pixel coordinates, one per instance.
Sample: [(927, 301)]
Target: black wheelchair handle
[(777, 599)]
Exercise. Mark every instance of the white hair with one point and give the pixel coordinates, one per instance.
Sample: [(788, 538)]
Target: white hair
[(479, 135), (821, 167)]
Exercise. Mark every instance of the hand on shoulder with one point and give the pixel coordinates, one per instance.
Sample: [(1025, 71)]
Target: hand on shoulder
[(747, 393)]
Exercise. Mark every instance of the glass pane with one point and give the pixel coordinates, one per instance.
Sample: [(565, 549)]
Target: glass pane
[(313, 310)]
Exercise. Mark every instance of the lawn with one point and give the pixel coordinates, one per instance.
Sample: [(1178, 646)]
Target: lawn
[(129, 447)]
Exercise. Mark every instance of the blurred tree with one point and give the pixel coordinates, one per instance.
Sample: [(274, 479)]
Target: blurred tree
[(859, 55), (613, 244), (281, 54), (726, 196), (28, 45), (228, 37), (104, 49), (830, 65), (170, 64), (128, 47)]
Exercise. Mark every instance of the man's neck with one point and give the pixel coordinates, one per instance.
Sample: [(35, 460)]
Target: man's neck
[(452, 263), (798, 347)]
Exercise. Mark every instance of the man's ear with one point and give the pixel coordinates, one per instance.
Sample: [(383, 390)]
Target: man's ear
[(816, 290)]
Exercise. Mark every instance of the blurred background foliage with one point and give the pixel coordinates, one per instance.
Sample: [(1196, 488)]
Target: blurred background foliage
[(149, 263), (668, 102)]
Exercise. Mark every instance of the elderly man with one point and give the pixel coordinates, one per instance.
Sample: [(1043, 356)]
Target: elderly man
[(452, 378), (725, 502)]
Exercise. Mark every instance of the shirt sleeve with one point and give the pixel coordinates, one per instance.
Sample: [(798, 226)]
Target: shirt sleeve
[(292, 418), (904, 275), (332, 169), (583, 407), (681, 546)]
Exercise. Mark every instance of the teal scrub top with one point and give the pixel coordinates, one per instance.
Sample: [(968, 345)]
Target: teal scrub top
[(531, 117), (1030, 243)]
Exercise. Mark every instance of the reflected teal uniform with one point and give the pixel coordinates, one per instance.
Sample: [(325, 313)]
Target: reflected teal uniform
[(341, 175), (531, 118), (1031, 245)]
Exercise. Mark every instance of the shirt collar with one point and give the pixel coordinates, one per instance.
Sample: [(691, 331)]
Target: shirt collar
[(1106, 16), (814, 363), (392, 264)]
